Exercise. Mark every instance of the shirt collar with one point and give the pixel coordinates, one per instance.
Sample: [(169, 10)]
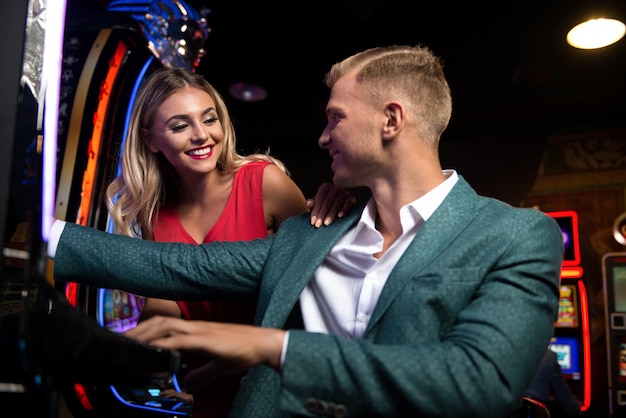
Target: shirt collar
[(418, 210)]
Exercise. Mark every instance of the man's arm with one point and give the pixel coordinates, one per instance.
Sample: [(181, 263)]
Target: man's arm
[(172, 271)]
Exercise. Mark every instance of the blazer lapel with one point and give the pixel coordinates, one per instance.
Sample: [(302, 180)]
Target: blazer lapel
[(442, 228), (312, 248)]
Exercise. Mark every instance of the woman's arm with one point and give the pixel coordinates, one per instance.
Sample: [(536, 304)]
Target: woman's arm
[(153, 307), (282, 198)]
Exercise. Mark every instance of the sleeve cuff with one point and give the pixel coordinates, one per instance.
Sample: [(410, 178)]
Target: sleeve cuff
[(283, 353), (53, 238)]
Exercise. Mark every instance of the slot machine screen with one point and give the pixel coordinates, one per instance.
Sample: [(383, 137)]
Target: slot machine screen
[(568, 307), (567, 351), (119, 310), (619, 287), (568, 222)]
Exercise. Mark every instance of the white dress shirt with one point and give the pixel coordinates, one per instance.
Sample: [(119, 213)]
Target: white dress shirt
[(341, 296)]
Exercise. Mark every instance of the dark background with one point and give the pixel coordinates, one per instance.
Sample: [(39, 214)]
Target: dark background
[(514, 79)]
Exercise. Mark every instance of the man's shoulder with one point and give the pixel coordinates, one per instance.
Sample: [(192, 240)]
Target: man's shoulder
[(302, 222), (527, 217)]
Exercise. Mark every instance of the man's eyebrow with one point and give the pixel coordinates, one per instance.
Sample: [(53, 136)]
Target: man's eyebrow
[(331, 109)]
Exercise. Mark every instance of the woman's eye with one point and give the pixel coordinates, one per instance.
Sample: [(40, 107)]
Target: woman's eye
[(211, 120), (178, 128)]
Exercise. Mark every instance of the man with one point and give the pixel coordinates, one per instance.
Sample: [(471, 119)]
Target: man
[(428, 301)]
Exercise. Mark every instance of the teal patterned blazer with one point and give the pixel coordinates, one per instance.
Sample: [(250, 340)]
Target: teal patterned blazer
[(460, 327)]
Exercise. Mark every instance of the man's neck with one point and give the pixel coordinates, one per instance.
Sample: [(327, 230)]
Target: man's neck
[(390, 227)]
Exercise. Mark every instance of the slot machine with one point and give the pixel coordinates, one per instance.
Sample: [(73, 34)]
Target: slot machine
[(106, 57), (44, 340), (614, 277), (571, 341), (614, 281)]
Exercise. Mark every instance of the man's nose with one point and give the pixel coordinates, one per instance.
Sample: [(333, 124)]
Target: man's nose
[(324, 138)]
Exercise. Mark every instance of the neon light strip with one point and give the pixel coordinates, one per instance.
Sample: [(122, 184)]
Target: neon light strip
[(133, 95), (83, 398), (571, 272), (175, 408), (51, 82), (584, 309), (96, 137)]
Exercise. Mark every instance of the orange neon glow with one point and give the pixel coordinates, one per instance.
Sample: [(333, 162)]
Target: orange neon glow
[(95, 141), (571, 272)]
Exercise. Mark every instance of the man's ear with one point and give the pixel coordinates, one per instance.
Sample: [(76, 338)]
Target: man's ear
[(146, 136), (394, 116)]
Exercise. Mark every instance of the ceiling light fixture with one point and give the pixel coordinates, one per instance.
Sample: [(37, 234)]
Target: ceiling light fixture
[(596, 33), (247, 92)]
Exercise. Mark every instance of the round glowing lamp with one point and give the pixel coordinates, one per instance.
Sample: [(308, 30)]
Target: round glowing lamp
[(596, 33)]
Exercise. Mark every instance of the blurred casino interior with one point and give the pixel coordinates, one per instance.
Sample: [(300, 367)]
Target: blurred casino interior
[(536, 123)]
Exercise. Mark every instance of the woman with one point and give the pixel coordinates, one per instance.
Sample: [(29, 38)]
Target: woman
[(182, 180)]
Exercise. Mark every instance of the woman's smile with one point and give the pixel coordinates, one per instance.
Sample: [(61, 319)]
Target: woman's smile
[(203, 152)]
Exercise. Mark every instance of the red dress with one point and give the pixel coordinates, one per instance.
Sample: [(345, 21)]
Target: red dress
[(243, 219)]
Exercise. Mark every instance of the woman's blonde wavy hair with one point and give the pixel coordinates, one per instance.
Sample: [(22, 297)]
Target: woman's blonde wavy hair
[(134, 196)]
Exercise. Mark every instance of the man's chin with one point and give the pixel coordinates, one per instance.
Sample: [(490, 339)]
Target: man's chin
[(343, 178), (344, 182)]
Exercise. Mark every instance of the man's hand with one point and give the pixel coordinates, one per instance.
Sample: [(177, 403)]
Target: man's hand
[(173, 393), (233, 347), (329, 202)]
